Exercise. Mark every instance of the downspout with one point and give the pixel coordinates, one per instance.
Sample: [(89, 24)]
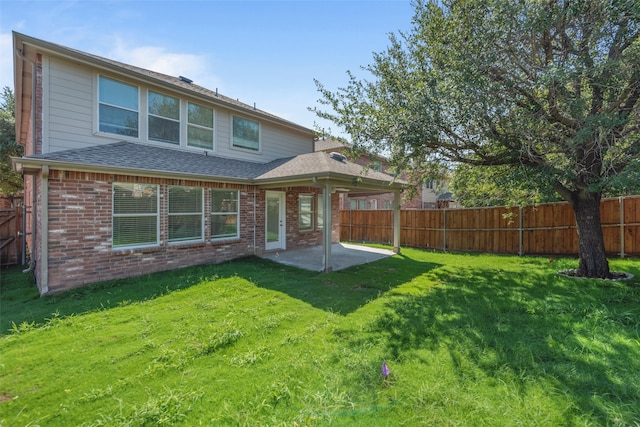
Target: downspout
[(255, 220), (34, 199), (44, 224)]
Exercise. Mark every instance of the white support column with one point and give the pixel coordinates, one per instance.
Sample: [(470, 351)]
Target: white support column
[(396, 221), (44, 227), (327, 225)]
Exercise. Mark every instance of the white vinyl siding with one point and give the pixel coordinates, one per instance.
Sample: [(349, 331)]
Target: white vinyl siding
[(135, 215), (185, 214), (225, 214), (71, 120)]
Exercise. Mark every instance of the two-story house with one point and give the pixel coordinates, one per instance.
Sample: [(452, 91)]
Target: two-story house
[(129, 171)]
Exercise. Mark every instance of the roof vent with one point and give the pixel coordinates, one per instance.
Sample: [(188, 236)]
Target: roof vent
[(339, 157), (186, 80)]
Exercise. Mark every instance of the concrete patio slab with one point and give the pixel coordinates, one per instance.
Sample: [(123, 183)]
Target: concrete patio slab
[(343, 256)]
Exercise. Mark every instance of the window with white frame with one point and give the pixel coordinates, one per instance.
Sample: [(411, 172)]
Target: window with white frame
[(164, 118), (199, 127), (320, 211), (135, 215), (117, 107), (305, 212), (246, 133), (225, 214), (185, 214)]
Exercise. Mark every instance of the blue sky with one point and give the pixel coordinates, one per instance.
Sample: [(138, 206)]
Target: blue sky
[(267, 52)]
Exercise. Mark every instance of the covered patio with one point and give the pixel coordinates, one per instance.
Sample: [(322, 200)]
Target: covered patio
[(344, 255), (333, 173)]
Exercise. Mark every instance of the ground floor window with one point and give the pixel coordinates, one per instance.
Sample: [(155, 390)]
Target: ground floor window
[(305, 212), (224, 214), (185, 214), (135, 215), (320, 211)]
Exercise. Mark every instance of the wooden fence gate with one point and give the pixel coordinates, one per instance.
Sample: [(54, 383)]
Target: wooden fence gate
[(11, 236)]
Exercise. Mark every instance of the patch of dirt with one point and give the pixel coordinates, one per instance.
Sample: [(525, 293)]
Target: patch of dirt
[(4, 396), (362, 288), (613, 275)]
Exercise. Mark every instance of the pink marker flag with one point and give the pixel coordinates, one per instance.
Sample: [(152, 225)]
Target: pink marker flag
[(385, 369)]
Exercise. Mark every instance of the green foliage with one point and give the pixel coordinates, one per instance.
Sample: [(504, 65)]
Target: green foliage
[(551, 86), (11, 183), (469, 340), (474, 186)]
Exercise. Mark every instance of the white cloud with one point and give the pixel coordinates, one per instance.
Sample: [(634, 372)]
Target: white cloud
[(195, 67)]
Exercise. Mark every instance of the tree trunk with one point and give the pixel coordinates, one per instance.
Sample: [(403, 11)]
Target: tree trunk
[(593, 259)]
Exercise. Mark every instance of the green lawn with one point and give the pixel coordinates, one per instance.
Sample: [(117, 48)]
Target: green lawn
[(469, 340)]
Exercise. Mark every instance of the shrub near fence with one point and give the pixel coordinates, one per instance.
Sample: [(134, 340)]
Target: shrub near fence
[(548, 229)]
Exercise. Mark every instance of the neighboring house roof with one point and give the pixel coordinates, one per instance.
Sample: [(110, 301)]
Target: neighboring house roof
[(448, 196), (129, 157), (328, 144)]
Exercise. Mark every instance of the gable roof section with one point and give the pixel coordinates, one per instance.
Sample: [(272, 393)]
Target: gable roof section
[(142, 74), (148, 160)]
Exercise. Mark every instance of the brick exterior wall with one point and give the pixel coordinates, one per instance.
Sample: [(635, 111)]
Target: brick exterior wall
[(80, 230)]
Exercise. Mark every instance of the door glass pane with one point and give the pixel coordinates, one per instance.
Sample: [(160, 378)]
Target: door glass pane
[(273, 219)]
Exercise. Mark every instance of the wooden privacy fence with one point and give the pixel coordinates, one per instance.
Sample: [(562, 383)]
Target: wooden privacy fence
[(548, 229), (11, 236)]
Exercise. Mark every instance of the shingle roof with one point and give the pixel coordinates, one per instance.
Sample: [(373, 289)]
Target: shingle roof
[(329, 144), (124, 157), (320, 163), (149, 158)]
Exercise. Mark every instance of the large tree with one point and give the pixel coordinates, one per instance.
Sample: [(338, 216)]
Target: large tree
[(10, 181), (551, 85)]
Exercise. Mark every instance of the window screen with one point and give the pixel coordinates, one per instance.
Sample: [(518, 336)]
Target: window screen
[(164, 118), (118, 107), (135, 215), (305, 212), (185, 214), (224, 214)]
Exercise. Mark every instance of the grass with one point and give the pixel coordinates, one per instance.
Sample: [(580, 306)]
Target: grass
[(469, 340)]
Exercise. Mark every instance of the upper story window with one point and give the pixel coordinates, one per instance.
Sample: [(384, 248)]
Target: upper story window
[(164, 118), (135, 215), (118, 107), (200, 127), (246, 133)]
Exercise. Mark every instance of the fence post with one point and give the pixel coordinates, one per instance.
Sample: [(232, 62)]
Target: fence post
[(350, 224), (444, 231), (621, 203), (520, 231)]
